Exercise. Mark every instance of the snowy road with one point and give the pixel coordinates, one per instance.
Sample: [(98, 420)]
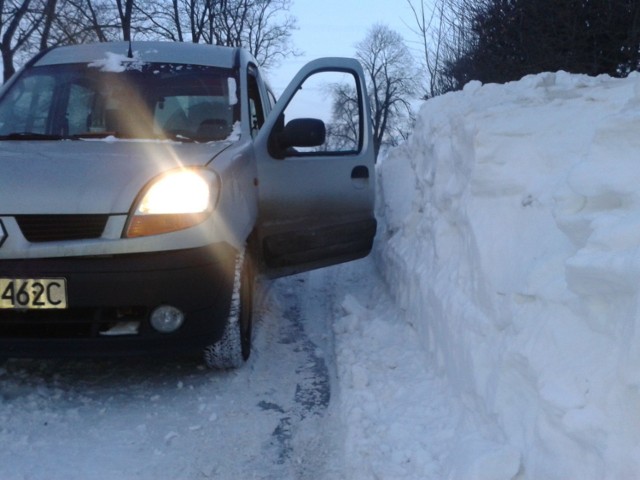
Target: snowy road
[(336, 388), (175, 420)]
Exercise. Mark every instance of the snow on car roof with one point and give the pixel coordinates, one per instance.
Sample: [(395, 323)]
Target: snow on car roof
[(154, 52)]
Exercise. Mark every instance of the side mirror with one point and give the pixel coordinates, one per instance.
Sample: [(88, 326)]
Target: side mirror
[(302, 132)]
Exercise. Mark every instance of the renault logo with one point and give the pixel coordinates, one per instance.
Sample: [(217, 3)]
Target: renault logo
[(3, 233)]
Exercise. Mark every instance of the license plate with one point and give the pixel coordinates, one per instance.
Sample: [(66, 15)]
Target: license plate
[(33, 293)]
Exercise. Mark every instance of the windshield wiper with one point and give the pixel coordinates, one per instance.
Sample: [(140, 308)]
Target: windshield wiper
[(92, 135), (27, 136), (47, 136), (177, 137), (30, 136)]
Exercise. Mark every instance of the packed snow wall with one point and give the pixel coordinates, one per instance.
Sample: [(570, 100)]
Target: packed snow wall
[(510, 235)]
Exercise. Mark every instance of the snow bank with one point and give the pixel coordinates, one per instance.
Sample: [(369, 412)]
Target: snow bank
[(511, 236)]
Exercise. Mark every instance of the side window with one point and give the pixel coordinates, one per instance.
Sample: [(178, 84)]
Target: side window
[(333, 98), (272, 98), (256, 108), (30, 104)]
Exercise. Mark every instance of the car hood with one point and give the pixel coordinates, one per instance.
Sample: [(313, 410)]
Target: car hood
[(88, 177)]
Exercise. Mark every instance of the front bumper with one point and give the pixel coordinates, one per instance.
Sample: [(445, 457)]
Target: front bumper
[(106, 291)]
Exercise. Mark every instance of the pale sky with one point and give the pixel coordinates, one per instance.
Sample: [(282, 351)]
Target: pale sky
[(331, 28)]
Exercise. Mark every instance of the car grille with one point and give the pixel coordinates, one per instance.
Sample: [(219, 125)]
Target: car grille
[(51, 228)]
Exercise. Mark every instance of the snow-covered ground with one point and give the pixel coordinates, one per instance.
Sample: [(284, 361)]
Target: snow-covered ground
[(493, 334), (174, 419)]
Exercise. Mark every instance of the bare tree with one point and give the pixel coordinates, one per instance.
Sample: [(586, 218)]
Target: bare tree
[(63, 22), (79, 21), (125, 11), (444, 31), (268, 32), (48, 18), (165, 19), (430, 30), (392, 82), (260, 26), (19, 21)]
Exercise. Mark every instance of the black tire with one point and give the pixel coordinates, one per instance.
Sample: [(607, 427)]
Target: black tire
[(234, 347)]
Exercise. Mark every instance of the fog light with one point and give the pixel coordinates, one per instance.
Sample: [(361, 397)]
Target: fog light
[(166, 319)]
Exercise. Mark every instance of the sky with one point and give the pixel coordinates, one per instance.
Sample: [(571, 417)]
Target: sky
[(331, 28)]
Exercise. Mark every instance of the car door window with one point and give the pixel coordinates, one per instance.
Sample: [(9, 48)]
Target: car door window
[(333, 98)]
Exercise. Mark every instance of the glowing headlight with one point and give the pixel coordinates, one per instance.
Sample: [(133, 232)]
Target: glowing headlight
[(173, 202), (181, 192)]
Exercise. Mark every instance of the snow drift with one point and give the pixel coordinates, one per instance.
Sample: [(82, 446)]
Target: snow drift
[(510, 235)]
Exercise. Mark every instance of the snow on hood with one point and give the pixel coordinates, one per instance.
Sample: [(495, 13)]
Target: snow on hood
[(511, 235), (77, 177)]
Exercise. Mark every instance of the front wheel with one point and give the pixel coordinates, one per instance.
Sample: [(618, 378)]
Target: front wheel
[(234, 347)]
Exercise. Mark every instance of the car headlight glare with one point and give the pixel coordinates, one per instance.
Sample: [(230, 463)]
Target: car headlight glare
[(175, 201), (180, 192)]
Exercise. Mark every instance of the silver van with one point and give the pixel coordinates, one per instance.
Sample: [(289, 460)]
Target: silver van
[(144, 185)]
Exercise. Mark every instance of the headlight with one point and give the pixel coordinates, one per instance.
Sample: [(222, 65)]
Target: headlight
[(178, 200)]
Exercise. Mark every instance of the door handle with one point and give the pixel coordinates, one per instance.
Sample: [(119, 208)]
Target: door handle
[(360, 172), (360, 177)]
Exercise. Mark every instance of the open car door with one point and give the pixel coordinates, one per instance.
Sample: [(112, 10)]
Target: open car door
[(316, 175)]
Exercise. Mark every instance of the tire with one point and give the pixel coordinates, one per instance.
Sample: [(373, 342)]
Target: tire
[(234, 347)]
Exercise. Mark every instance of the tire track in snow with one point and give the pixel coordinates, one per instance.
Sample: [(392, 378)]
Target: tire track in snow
[(313, 390), (301, 442)]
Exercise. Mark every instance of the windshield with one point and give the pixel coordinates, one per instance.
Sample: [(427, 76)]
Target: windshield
[(152, 100)]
